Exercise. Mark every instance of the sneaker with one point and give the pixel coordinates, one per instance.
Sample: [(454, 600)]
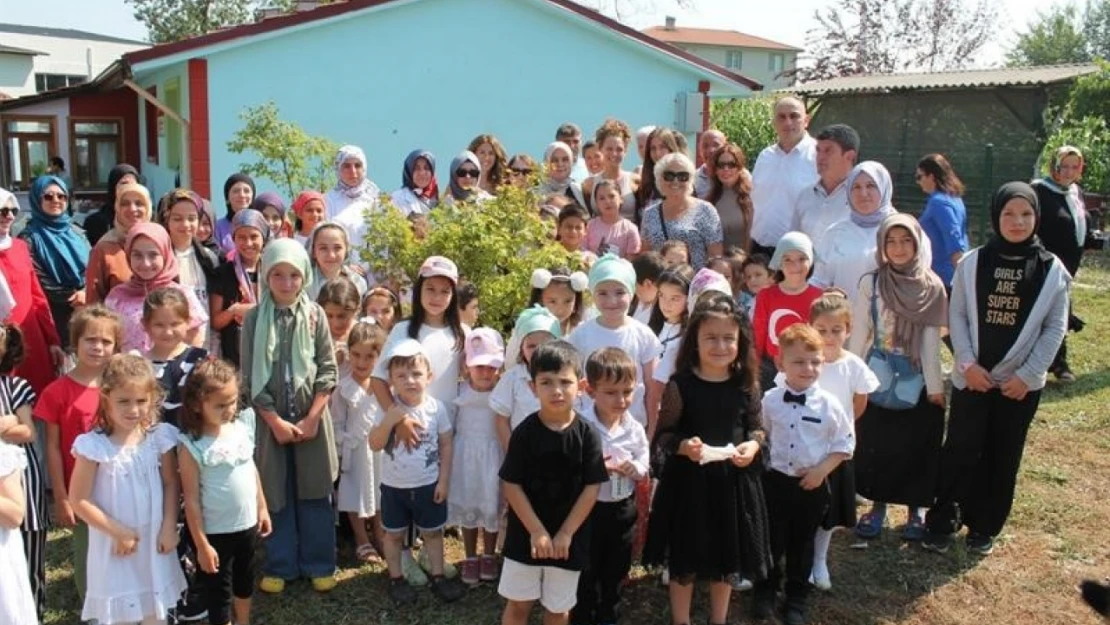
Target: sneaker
[(819, 577), (400, 592), (490, 569), (324, 584), (272, 585), (1065, 375), (470, 571), (447, 590), (793, 614), (190, 612), (412, 571), (937, 543), (450, 571), (739, 584), (980, 544), (914, 529)]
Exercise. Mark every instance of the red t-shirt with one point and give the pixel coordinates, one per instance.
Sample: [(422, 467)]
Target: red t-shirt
[(72, 407), (775, 311)]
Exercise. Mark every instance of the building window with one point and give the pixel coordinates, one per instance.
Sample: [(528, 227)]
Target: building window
[(776, 63), (28, 143), (96, 146), (49, 82), (734, 59)]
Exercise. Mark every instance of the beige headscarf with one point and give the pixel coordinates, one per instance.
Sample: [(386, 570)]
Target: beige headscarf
[(911, 291)]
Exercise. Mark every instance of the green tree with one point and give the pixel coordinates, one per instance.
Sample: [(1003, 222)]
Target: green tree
[(1096, 27), (174, 20), (1055, 37), (1084, 122), (285, 154), (746, 122)]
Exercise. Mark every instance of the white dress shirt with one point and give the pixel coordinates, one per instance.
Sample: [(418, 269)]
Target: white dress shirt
[(816, 210), (625, 441), (846, 252), (801, 436), (777, 180)]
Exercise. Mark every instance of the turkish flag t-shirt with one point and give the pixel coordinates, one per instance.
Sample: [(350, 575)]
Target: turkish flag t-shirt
[(775, 311)]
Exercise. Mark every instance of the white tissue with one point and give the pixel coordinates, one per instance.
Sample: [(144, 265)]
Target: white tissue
[(709, 453)]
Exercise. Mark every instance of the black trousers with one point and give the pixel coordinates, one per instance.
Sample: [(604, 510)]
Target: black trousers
[(235, 576), (794, 515), (980, 460), (612, 526)]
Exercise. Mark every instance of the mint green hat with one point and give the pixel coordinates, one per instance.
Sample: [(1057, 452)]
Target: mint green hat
[(537, 319), (613, 268)]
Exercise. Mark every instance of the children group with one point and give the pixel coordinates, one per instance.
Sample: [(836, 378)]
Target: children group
[(715, 421)]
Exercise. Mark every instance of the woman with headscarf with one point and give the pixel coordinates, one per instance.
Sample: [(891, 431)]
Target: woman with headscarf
[(419, 192), (206, 229), (466, 169), (234, 289), (903, 303), (1003, 348), (273, 209), (108, 264), (99, 223), (352, 185), (59, 252), (239, 192), (848, 249), (558, 160), (309, 211)]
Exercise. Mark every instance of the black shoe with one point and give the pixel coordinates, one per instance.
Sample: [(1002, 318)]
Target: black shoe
[(763, 604), (937, 543), (793, 614), (190, 611), (400, 592), (980, 544), (447, 590), (1097, 596)]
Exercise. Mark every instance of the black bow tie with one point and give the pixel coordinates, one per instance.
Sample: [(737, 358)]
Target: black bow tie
[(791, 398)]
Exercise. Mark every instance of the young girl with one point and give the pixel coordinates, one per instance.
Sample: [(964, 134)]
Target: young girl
[(68, 407), (648, 266), (339, 298), (723, 266), (382, 305), (560, 292), (273, 209), (289, 361), (781, 305), (474, 500), (17, 605), (181, 216), (206, 229), (166, 321), (108, 263), (609, 232), (468, 304), (668, 316), (223, 492), (709, 518), (329, 248), (235, 283), (903, 304), (17, 430), (675, 252), (125, 487), (309, 210), (756, 274), (512, 399), (353, 412)]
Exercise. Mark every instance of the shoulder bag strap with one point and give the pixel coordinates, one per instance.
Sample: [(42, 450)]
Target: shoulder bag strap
[(876, 343), (663, 224)]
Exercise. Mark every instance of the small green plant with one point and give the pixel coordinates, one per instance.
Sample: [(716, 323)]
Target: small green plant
[(285, 153), (746, 122), (496, 245)]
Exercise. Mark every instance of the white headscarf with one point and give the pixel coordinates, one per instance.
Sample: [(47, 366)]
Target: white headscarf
[(7, 300), (365, 189)]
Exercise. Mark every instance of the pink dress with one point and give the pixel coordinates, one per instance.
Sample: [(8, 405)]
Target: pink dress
[(131, 310)]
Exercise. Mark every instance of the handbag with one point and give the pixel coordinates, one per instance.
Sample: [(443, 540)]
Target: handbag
[(900, 384)]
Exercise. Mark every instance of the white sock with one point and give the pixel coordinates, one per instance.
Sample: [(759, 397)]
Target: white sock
[(821, 541)]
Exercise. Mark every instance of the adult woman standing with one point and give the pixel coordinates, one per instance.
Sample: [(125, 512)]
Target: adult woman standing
[(613, 137), (679, 215), (239, 192), (108, 263), (99, 223), (352, 185), (944, 219), (558, 159), (59, 252), (730, 192), (466, 169), (22, 301), (660, 142), (848, 249), (419, 193), (493, 160)]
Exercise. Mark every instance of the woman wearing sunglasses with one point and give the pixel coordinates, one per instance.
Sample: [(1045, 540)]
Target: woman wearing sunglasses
[(679, 216), (466, 170), (730, 191), (59, 252)]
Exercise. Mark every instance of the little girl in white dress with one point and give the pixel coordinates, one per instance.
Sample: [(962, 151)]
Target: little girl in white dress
[(125, 487), (16, 603)]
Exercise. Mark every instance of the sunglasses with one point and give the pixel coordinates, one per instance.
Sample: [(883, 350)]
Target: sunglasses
[(727, 165), (522, 172), (466, 173), (8, 212), (54, 197), (681, 176)]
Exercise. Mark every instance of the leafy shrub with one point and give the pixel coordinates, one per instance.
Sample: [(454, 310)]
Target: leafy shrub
[(746, 122), (496, 244), (286, 155), (1092, 136)]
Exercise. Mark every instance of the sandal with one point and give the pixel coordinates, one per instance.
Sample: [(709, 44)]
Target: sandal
[(870, 525), (367, 554)]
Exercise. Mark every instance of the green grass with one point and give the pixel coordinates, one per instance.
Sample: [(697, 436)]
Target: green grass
[(1058, 534)]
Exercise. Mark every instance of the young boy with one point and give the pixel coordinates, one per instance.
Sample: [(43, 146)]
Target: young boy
[(468, 304), (648, 266), (551, 476), (756, 270), (415, 481), (809, 434), (611, 382)]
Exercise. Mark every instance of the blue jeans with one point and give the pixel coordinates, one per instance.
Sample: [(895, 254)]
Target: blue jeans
[(303, 539)]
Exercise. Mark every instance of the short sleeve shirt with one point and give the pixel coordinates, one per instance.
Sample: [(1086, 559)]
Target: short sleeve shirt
[(699, 227), (72, 407), (634, 338), (621, 238), (412, 468)]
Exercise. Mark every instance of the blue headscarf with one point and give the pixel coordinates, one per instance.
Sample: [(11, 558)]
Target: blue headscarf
[(428, 195), (61, 251)]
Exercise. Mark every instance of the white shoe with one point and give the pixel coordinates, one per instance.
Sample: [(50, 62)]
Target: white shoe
[(665, 577), (819, 577), (450, 571), (740, 584), (411, 569)]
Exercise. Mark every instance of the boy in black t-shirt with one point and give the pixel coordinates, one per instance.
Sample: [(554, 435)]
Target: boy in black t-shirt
[(552, 472)]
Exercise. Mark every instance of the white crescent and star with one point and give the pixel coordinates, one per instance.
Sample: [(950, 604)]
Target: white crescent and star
[(776, 317)]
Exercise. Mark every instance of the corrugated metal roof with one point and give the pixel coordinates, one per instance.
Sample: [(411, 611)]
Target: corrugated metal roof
[(944, 81), (715, 37), (19, 51), (65, 33)]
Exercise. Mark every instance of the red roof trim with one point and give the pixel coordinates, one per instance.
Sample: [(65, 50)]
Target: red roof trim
[(340, 8)]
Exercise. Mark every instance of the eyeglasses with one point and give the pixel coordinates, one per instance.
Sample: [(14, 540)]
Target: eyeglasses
[(521, 172), (727, 165), (681, 176), (466, 173), (8, 212), (54, 197)]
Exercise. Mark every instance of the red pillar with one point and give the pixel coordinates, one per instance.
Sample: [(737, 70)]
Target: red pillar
[(200, 166)]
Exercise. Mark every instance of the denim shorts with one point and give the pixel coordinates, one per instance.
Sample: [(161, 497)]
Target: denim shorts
[(401, 507)]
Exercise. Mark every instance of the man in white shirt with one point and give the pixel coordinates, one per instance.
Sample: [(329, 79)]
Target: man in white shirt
[(826, 202), (709, 142), (781, 172), (571, 135)]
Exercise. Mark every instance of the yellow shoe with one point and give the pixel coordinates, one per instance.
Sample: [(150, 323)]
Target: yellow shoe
[(272, 585), (323, 584)]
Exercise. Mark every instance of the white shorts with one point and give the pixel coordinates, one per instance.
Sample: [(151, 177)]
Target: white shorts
[(556, 589)]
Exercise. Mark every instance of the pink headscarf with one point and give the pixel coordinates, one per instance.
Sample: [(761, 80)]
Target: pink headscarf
[(136, 286)]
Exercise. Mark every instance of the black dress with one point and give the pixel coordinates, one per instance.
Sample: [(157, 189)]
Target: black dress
[(709, 521), (225, 283), (897, 457)]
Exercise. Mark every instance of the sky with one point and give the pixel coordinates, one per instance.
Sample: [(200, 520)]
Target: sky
[(787, 22)]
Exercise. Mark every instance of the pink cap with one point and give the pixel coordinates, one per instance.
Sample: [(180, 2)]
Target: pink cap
[(440, 266), (484, 348)]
